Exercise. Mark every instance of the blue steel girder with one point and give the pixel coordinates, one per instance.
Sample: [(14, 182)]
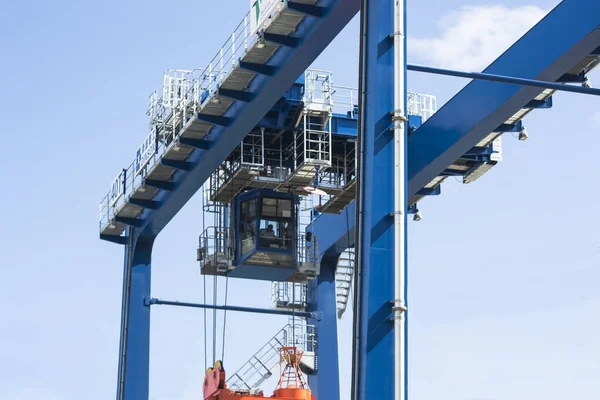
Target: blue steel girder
[(314, 33), (321, 296), (374, 353), (134, 348), (546, 52)]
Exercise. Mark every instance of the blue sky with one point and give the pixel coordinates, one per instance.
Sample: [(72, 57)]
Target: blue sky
[(503, 271)]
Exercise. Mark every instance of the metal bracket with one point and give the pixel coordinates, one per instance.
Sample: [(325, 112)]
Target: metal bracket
[(402, 309), (317, 315), (394, 213), (400, 117)]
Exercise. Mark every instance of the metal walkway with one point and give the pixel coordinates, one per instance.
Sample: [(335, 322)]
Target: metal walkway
[(204, 114)]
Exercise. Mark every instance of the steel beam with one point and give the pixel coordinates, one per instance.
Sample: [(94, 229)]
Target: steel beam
[(325, 383), (483, 106), (304, 314), (290, 63), (513, 80), (373, 329), (134, 348)]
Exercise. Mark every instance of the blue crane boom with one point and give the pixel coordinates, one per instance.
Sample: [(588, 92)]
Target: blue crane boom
[(547, 52), (263, 72)]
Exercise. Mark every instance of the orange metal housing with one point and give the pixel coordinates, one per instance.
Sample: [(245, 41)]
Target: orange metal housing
[(292, 385), (287, 394), (292, 393)]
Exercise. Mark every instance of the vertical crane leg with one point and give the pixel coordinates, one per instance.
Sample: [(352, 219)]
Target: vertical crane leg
[(134, 349), (374, 337), (325, 384)]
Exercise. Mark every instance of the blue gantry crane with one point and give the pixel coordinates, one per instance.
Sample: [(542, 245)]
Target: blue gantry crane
[(287, 162)]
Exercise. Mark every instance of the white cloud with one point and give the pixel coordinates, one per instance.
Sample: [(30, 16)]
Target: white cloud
[(474, 36)]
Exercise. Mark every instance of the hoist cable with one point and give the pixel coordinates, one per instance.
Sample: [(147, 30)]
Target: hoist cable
[(216, 220), (226, 252), (204, 279), (359, 229), (224, 318)]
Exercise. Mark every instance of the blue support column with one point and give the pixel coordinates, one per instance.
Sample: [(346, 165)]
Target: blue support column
[(407, 194), (374, 340), (325, 384), (134, 349)]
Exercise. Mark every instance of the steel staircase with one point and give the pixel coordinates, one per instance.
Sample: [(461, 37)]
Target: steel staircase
[(292, 296), (343, 279), (261, 365)]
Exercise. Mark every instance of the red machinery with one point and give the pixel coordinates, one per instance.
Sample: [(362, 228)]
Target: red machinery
[(291, 386)]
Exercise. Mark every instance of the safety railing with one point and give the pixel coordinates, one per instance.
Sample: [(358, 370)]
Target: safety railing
[(216, 247), (345, 100), (261, 364), (225, 172), (184, 94), (132, 177), (288, 295), (301, 334), (312, 144), (344, 274), (252, 149), (423, 105), (259, 367), (342, 170), (307, 248), (317, 88)]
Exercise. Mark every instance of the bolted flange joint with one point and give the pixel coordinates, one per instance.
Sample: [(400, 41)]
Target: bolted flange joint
[(398, 115), (398, 310)]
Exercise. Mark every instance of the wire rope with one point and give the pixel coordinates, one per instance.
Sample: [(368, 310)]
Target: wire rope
[(204, 279), (216, 220), (224, 318)]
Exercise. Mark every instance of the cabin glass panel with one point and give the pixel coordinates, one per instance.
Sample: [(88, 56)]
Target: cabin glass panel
[(276, 224), (265, 235), (248, 225)]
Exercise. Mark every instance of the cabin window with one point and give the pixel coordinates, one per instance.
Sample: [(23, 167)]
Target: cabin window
[(248, 225), (279, 208), (276, 234)]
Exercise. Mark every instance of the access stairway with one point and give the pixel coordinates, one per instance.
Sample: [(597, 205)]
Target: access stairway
[(292, 295), (344, 274), (261, 365)]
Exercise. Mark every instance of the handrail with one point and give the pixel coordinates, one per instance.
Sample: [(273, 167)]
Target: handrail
[(167, 116)]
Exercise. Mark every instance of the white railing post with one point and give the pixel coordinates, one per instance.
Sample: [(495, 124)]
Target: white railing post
[(233, 50), (221, 72)]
